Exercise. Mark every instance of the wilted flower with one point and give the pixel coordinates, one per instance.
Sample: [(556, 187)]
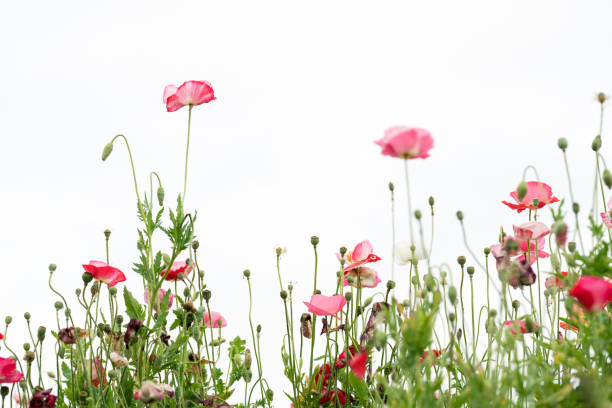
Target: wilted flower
[(191, 93), (306, 325), (406, 143), (43, 399), (535, 190), (67, 335), (132, 330), (375, 318), (118, 360)]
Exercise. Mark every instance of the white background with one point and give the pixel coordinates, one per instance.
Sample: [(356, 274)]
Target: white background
[(287, 150)]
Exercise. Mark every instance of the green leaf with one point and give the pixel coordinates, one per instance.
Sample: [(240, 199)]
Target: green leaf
[(133, 308)]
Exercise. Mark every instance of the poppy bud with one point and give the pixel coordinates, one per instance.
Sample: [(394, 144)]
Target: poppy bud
[(430, 282), (87, 277), (575, 208), (83, 397), (601, 97), (367, 302), (112, 290), (283, 294), (160, 196), (119, 319), (112, 374), (27, 315), (107, 151), (492, 313), (314, 240), (470, 270), (487, 251), (4, 391), (490, 326), (206, 295), (391, 186), (237, 360), (26, 346), (317, 292), (459, 334), (529, 324), (269, 394), (451, 316), (417, 214), (52, 268), (596, 145), (29, 356), (358, 311), (246, 273), (8, 320), (461, 260), (41, 333), (348, 296), (248, 376), (290, 287), (67, 312), (259, 328), (562, 143), (279, 251), (350, 280), (516, 304), (571, 246), (186, 292), (607, 178), (431, 201), (390, 285), (415, 281), (452, 295), (521, 190), (58, 305), (247, 359), (536, 202), (460, 215)]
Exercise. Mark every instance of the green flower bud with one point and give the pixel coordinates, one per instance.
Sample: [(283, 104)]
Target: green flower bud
[(112, 290), (58, 305), (596, 145), (391, 186), (576, 208), (52, 268), (601, 97), (269, 394), (283, 294), (390, 285), (470, 270), (451, 317), (160, 196), (607, 178), (418, 214), (107, 233), (431, 201), (342, 251), (487, 251), (248, 376), (459, 334), (237, 360), (107, 151), (452, 295), (314, 240), (348, 296), (367, 302), (206, 294), (29, 356), (27, 315), (571, 246), (26, 346), (41, 333), (246, 273), (460, 215), (521, 190), (492, 313), (247, 359), (279, 251), (87, 277), (430, 282), (186, 292), (516, 304), (8, 320), (259, 328), (4, 391), (562, 143), (529, 324)]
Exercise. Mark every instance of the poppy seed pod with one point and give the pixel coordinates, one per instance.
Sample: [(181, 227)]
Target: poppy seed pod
[(342, 251), (42, 330), (279, 251), (348, 296), (451, 317), (8, 320), (390, 284), (571, 246), (516, 304), (418, 214), (58, 305), (52, 268), (470, 270), (246, 273), (206, 294), (29, 356), (26, 346), (112, 291), (283, 294), (4, 391), (27, 315), (431, 201), (562, 143), (306, 325), (108, 149), (487, 251), (314, 240), (601, 97), (317, 292), (576, 208), (461, 260), (87, 277)]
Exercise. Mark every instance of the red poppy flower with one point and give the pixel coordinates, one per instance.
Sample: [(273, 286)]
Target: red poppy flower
[(592, 292), (358, 364), (8, 371), (535, 190), (436, 353), (325, 372), (178, 267), (342, 361), (330, 395), (104, 272)]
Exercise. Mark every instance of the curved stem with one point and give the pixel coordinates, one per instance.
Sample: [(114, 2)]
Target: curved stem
[(131, 163)]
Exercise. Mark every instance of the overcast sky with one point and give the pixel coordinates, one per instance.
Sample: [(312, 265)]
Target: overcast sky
[(286, 151)]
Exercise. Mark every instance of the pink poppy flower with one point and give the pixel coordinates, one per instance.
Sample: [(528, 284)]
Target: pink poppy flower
[(151, 392), (161, 293), (529, 251), (363, 276), (103, 272), (606, 219), (97, 371), (406, 143), (592, 292), (555, 281), (177, 268), (358, 364), (8, 371), (531, 230), (342, 361), (217, 320), (541, 191), (362, 254), (191, 93), (522, 326), (322, 305)]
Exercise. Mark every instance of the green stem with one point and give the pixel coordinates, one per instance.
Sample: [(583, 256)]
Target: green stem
[(187, 151)]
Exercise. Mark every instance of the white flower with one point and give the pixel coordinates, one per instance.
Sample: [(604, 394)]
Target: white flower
[(403, 253)]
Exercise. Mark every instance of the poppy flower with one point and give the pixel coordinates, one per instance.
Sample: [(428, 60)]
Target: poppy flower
[(151, 392), (8, 371), (43, 399), (531, 230), (178, 267), (322, 376), (358, 364), (521, 324), (103, 272), (342, 361), (535, 190), (555, 281), (96, 369), (1, 336), (218, 321), (330, 395), (191, 93), (566, 326), (592, 292), (436, 353), (532, 250), (322, 305), (362, 254), (403, 252), (406, 143), (362, 277), (161, 293)]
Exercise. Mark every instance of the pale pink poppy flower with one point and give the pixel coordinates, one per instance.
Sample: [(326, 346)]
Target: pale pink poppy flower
[(151, 392), (191, 93), (535, 190), (554, 281), (362, 254), (606, 219), (217, 320), (103, 272), (592, 292), (530, 230), (161, 293), (367, 277), (8, 371), (178, 267), (358, 364), (406, 143), (322, 305)]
